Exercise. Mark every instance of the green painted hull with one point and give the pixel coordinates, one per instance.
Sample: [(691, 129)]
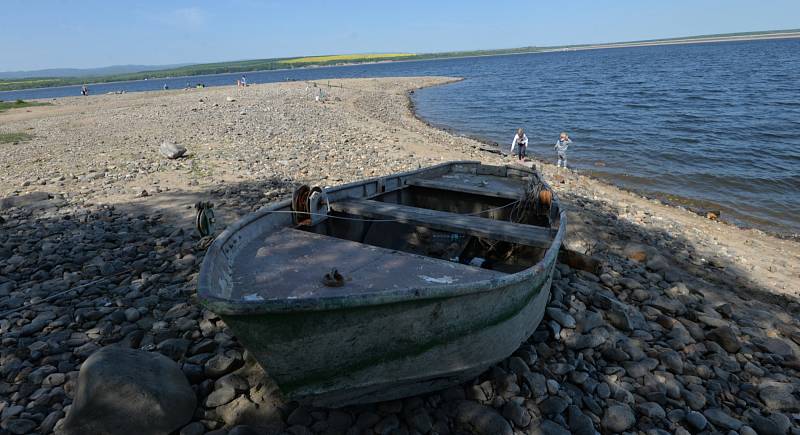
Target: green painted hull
[(367, 354)]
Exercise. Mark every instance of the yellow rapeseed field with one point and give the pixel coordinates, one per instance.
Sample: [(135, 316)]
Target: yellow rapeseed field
[(345, 58), (26, 81)]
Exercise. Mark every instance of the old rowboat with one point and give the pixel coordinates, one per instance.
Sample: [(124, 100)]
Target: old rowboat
[(392, 286)]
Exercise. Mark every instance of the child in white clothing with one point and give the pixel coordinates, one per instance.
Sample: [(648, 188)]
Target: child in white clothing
[(520, 142)]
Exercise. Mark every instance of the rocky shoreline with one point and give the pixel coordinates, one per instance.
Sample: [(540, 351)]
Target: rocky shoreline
[(689, 326)]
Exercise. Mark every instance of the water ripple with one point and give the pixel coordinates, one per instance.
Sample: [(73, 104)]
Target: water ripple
[(709, 120)]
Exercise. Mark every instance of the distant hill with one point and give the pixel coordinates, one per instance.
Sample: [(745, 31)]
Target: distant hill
[(86, 72)]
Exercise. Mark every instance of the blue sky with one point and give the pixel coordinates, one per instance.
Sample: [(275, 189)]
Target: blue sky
[(92, 33)]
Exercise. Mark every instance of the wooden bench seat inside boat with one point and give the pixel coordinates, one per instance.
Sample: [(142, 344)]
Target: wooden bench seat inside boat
[(291, 263), (498, 187), (522, 234)]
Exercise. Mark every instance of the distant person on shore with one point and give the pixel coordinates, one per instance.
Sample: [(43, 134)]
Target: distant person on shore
[(165, 86), (244, 81), (520, 142), (561, 148), (84, 90)]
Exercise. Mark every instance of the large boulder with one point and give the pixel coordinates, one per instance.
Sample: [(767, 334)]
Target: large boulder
[(126, 391), (172, 150)]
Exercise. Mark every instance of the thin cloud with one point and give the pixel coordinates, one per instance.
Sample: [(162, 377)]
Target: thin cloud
[(184, 18)]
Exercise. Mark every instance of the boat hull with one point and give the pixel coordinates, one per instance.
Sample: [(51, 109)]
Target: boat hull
[(376, 344), (344, 356)]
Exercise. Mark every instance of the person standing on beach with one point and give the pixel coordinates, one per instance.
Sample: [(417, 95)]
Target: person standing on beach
[(84, 90), (520, 142), (561, 148)]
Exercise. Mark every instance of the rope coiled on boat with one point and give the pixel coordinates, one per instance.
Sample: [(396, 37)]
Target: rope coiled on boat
[(300, 204), (536, 200)]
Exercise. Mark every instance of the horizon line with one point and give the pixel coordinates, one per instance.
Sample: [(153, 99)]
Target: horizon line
[(587, 44)]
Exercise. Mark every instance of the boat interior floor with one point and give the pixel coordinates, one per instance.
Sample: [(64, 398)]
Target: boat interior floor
[(456, 228), (293, 263)]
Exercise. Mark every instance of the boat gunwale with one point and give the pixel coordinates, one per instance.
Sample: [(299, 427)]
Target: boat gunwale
[(226, 306)]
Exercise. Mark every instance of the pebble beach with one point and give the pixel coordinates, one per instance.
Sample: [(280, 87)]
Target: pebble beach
[(689, 325)]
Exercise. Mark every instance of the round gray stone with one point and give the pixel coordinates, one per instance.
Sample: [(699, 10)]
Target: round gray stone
[(618, 418), (696, 420), (144, 392)]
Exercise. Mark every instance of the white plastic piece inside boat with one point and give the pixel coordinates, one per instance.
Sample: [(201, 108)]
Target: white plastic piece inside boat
[(253, 297), (477, 262), (443, 280)]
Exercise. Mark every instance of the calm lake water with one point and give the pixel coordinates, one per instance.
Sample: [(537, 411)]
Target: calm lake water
[(710, 126)]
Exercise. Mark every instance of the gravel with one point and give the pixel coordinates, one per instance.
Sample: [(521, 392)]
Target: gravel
[(688, 324)]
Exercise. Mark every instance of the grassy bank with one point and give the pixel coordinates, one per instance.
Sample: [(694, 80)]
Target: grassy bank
[(12, 84), (14, 137), (5, 105)]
